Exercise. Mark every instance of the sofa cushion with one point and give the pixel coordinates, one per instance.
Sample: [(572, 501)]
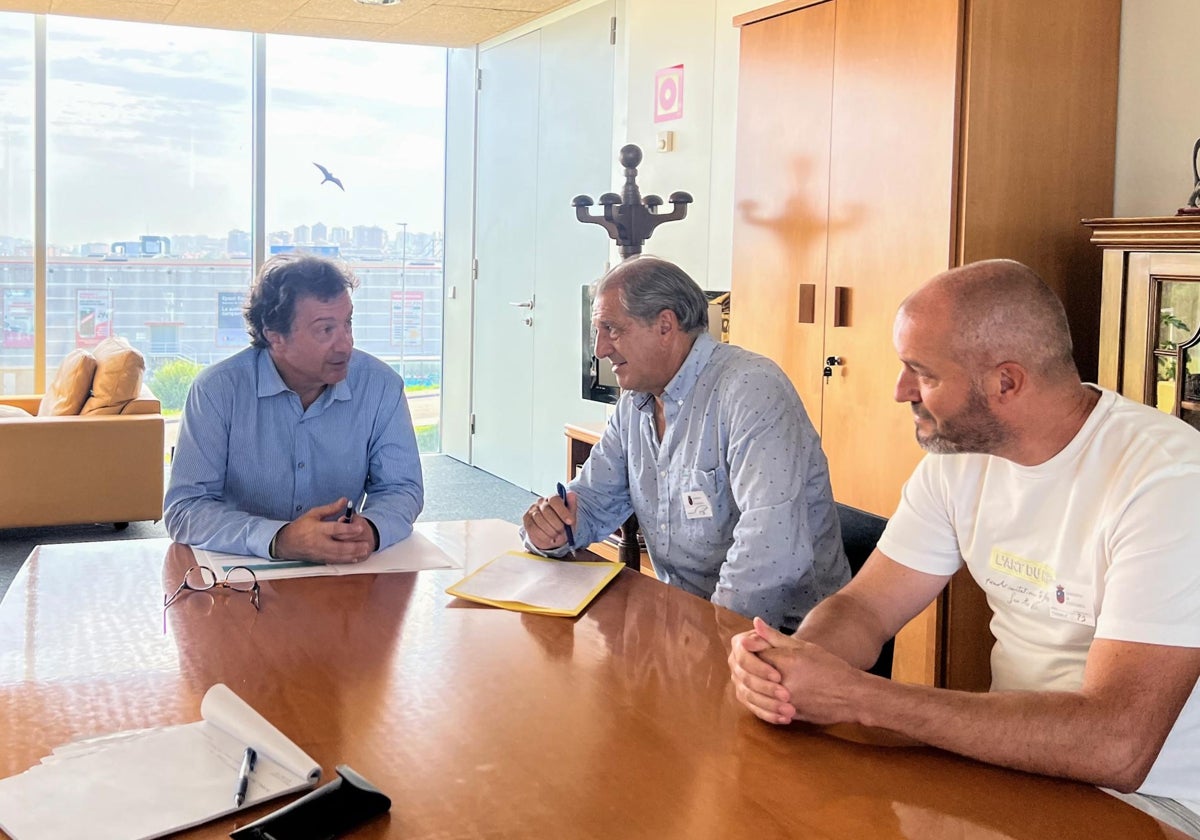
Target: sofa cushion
[(118, 378), (71, 386), (12, 411)]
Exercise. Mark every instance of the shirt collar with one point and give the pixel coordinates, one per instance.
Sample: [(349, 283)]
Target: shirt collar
[(685, 378), (271, 383)]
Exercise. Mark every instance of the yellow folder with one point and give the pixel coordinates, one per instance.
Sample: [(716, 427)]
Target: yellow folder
[(528, 583)]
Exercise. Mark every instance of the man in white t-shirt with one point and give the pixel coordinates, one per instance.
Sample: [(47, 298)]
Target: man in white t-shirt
[(1078, 513)]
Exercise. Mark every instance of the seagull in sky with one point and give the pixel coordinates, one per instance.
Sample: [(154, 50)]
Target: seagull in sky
[(328, 176)]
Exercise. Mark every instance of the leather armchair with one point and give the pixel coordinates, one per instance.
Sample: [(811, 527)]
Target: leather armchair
[(82, 469)]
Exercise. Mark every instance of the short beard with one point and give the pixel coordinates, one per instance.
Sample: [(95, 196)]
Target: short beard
[(974, 429)]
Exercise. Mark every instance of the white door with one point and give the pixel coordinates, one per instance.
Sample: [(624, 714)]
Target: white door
[(544, 136), (575, 156), (505, 310)]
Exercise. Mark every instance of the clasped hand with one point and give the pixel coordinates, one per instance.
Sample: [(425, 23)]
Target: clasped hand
[(781, 678), (320, 535)]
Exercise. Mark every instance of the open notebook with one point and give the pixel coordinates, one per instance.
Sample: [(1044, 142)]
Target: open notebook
[(149, 782)]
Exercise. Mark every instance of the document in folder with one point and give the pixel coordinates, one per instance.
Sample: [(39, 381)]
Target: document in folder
[(528, 583), (146, 783)]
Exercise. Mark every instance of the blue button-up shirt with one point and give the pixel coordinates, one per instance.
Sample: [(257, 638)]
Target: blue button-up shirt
[(737, 432), (250, 459)]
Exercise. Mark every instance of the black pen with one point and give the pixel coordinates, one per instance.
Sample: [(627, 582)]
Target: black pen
[(349, 512), (249, 757), (562, 494)]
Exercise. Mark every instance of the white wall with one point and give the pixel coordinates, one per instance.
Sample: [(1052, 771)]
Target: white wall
[(699, 34), (1158, 106)]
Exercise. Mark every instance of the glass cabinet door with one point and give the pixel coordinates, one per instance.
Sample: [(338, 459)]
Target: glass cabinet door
[(1176, 353)]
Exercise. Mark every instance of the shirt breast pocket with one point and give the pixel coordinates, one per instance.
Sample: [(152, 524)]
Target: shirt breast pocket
[(701, 509)]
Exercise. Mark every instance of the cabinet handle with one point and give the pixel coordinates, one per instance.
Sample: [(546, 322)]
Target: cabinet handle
[(841, 306), (808, 304)]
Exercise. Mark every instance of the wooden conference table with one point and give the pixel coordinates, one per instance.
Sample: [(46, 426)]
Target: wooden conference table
[(479, 722)]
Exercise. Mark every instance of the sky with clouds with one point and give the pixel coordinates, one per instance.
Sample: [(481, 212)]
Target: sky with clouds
[(149, 131)]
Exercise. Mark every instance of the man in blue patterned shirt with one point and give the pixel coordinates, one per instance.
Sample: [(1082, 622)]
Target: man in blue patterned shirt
[(710, 446), (277, 440)]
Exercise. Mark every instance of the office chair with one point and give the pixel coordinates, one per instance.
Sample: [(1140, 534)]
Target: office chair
[(860, 533)]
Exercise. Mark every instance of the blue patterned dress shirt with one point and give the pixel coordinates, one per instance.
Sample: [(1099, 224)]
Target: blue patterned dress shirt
[(737, 432), (250, 460)]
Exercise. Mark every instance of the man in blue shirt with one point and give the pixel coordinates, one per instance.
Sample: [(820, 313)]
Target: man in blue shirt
[(710, 446), (279, 439)]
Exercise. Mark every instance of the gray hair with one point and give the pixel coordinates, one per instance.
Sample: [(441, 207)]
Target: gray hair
[(647, 285)]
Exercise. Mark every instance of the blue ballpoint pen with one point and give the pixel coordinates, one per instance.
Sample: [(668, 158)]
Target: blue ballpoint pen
[(249, 758), (562, 494)]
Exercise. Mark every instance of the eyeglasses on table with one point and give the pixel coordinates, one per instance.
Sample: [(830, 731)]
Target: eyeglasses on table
[(203, 579)]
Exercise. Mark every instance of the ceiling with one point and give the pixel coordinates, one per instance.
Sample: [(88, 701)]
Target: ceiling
[(447, 23)]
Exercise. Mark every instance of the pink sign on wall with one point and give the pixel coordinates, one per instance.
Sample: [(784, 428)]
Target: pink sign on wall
[(668, 94)]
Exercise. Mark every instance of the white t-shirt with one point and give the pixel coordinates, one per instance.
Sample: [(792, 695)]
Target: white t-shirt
[(1102, 540)]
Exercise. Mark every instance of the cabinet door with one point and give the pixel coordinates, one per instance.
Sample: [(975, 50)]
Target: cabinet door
[(781, 214), (891, 189), (1162, 336)]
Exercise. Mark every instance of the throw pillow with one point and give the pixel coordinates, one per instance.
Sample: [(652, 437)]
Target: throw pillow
[(71, 386), (13, 411), (118, 378)]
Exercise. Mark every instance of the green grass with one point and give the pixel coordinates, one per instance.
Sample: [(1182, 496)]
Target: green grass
[(429, 439)]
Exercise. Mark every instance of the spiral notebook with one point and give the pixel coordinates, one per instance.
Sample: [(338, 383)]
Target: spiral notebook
[(146, 783)]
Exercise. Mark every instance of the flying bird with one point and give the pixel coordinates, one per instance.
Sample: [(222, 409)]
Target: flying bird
[(328, 176)]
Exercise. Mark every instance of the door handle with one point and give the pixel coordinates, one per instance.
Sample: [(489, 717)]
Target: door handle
[(524, 304), (841, 306), (808, 304)]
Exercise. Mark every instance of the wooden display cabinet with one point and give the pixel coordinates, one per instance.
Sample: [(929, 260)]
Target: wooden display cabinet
[(1150, 311)]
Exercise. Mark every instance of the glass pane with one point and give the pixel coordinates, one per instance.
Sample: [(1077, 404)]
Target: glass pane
[(1178, 314), (373, 115), (1164, 395), (148, 193), (16, 203)]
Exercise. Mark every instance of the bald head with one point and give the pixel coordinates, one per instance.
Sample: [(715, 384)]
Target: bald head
[(999, 311)]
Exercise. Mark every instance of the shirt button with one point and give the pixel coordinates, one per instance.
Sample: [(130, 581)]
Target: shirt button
[(298, 508), (662, 474), (662, 527), (301, 465)]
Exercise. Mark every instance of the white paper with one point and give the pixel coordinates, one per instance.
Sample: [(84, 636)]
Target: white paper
[(146, 783), (412, 554), (554, 584)]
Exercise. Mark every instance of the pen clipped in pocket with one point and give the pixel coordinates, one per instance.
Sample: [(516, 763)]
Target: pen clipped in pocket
[(328, 812)]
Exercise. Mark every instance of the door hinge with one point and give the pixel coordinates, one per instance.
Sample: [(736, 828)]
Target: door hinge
[(479, 78), (612, 30), (472, 424), (474, 269)]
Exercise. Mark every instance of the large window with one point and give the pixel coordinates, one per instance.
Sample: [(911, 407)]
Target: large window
[(16, 203), (372, 117), (150, 138)]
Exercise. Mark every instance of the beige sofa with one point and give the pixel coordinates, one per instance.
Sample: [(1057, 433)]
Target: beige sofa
[(105, 465), (79, 469)]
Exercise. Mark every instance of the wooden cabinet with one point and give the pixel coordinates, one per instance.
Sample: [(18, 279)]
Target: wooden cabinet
[(881, 142), (1150, 312)]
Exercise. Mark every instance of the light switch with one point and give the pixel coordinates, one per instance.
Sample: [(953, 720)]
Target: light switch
[(665, 141)]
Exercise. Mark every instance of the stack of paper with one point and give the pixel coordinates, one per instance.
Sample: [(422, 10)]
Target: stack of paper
[(528, 583), (146, 783), (409, 555)]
